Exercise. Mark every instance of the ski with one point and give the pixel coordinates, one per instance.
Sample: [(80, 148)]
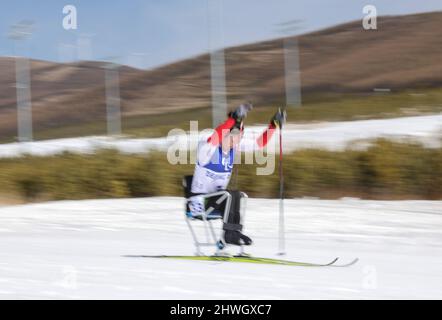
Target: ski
[(249, 259), (346, 264), (287, 262)]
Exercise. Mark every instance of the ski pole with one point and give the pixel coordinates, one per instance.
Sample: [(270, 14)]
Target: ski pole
[(281, 195)]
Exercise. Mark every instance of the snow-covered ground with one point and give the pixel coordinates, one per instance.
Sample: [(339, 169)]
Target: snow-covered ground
[(77, 249), (330, 135)]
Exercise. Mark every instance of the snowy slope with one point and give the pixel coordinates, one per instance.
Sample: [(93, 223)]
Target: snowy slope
[(76, 249), (330, 135)]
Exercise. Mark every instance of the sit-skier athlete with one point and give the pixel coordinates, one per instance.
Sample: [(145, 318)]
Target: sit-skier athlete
[(213, 169)]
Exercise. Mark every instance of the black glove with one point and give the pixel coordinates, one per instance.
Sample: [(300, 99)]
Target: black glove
[(239, 125), (241, 112), (279, 118)]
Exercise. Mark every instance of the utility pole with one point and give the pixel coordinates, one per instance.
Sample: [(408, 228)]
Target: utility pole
[(19, 32), (291, 63), (217, 61), (113, 102)]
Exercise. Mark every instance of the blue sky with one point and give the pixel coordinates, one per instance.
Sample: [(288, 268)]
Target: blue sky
[(147, 33)]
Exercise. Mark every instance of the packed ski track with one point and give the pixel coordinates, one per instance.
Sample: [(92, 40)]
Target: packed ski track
[(79, 249), (328, 135)]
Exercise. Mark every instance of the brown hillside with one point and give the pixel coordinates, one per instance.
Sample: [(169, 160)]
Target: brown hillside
[(405, 52)]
